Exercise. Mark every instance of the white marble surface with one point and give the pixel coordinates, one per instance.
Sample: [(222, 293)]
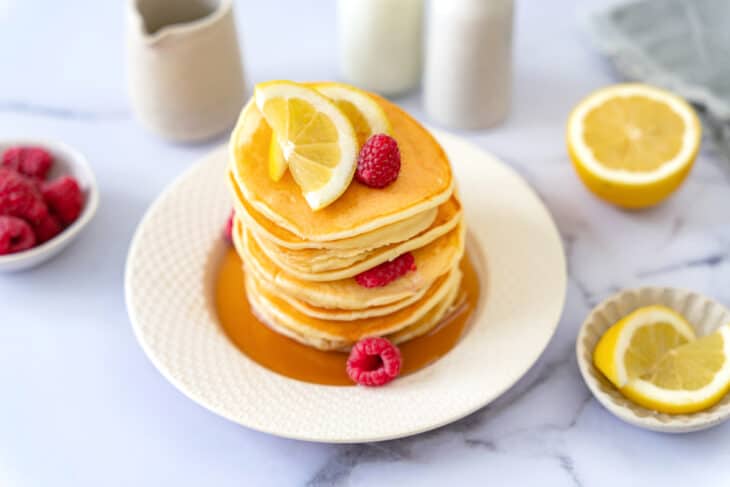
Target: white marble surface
[(81, 405)]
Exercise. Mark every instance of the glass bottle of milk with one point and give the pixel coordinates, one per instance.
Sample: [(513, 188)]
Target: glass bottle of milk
[(468, 69), (381, 43)]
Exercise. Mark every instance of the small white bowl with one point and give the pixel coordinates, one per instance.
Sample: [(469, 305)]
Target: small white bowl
[(67, 161), (703, 313)]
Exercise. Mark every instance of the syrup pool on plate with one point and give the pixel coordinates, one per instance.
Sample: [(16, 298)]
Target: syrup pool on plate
[(292, 359)]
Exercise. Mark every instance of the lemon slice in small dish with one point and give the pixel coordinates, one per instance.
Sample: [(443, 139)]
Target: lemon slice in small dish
[(633, 144), (316, 139), (366, 115), (638, 340), (653, 357), (687, 379)]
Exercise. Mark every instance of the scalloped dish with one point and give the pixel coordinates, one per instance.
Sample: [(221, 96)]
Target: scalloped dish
[(705, 315)]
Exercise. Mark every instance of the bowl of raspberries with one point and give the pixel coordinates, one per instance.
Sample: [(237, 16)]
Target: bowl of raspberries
[(47, 195)]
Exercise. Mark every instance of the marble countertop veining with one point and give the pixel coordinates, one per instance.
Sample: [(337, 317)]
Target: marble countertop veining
[(81, 404)]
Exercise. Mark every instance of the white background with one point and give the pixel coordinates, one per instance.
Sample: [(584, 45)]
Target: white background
[(80, 403)]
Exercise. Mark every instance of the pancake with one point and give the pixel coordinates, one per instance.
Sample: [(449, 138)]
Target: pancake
[(395, 232), (440, 314), (419, 317), (352, 330), (330, 265), (425, 181), (343, 314), (432, 261)]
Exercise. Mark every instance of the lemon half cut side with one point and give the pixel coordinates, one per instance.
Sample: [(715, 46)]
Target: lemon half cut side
[(633, 144)]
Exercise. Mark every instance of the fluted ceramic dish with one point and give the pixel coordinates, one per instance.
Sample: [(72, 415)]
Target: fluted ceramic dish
[(703, 313), (518, 253)]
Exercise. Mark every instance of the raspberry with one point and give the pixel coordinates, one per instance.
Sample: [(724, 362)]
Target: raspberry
[(15, 235), (19, 197), (48, 228), (228, 229), (379, 161), (63, 197), (374, 361), (387, 272), (33, 162)]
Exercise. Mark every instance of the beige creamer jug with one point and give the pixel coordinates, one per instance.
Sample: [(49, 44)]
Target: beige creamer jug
[(184, 67)]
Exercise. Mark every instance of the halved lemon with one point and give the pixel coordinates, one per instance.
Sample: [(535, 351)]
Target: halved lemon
[(366, 115), (633, 144), (316, 138)]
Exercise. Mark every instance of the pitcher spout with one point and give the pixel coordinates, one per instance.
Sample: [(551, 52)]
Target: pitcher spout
[(157, 20)]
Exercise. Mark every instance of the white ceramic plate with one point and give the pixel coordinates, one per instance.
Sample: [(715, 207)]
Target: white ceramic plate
[(173, 261), (703, 313)]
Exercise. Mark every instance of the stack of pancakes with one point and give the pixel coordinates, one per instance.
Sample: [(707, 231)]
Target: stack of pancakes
[(300, 264)]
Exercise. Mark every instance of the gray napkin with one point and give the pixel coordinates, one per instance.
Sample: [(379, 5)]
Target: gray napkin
[(681, 45)]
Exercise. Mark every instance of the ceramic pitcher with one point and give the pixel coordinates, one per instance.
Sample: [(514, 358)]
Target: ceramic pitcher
[(184, 67)]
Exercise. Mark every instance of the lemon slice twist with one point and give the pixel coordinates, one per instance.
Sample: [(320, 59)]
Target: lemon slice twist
[(315, 137)]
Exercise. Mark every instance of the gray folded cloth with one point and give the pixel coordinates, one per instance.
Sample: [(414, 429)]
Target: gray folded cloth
[(681, 45)]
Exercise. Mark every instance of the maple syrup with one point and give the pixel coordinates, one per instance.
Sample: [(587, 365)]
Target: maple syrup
[(292, 359)]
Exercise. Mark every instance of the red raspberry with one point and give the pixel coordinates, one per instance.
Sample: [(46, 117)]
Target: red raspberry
[(387, 272), (374, 361), (29, 161), (48, 228), (19, 197), (228, 229), (63, 197), (378, 164), (15, 235)]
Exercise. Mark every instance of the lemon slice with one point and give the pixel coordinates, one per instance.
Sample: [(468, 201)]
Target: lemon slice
[(366, 115), (633, 144), (316, 139), (653, 357), (688, 378), (277, 162), (637, 341)]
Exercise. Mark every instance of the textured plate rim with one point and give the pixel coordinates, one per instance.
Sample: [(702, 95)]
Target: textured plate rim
[(479, 400)]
